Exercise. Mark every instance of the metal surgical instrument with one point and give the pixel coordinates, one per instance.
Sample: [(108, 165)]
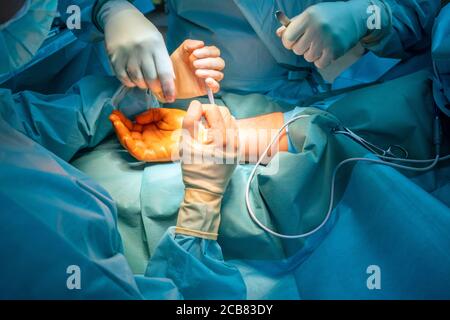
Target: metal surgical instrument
[(394, 151), (282, 18)]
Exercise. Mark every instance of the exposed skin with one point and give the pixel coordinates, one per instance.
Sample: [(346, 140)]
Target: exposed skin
[(253, 146), (155, 134), (196, 67)]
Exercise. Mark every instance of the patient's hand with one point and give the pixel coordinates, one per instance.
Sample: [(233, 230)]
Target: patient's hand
[(153, 137), (194, 63)]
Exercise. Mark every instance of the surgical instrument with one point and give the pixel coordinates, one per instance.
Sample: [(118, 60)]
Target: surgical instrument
[(282, 18), (210, 95), (402, 153), (204, 123)]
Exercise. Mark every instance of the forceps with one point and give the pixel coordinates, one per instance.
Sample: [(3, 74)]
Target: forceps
[(393, 151)]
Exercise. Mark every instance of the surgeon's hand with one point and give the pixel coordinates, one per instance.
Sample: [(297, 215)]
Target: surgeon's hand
[(196, 67), (208, 160), (326, 31), (136, 49), (153, 137)]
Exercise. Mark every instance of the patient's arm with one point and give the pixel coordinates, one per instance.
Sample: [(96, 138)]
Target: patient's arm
[(154, 135), (255, 134)]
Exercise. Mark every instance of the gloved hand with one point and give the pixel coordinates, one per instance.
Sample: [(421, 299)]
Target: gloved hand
[(196, 66), (153, 137), (136, 48), (208, 160), (326, 31), (139, 56)]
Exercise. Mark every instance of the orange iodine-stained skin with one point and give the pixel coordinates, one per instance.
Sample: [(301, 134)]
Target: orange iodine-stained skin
[(153, 136)]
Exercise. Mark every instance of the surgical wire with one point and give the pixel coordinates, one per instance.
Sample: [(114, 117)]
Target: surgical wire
[(333, 179), (210, 95)]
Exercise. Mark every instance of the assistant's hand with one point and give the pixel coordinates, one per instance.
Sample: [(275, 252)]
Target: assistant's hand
[(208, 154), (326, 31), (196, 66), (207, 163), (136, 49), (153, 137)]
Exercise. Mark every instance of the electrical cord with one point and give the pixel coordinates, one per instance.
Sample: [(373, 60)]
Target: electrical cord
[(434, 162)]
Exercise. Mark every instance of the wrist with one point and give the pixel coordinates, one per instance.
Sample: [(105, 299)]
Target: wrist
[(199, 214), (255, 135)]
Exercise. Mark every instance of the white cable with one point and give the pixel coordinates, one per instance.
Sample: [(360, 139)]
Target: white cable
[(333, 179), (414, 161), (358, 139)]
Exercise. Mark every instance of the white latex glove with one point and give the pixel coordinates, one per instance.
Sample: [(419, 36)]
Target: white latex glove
[(208, 159), (326, 31), (136, 48)]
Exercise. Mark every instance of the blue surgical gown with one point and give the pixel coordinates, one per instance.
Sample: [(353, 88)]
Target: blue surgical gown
[(257, 61), (64, 58), (441, 60), (53, 216), (67, 55)]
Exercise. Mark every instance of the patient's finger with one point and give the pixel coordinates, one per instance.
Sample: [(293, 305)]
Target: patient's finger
[(209, 63), (136, 135), (118, 125), (207, 52), (190, 45), (127, 122), (204, 74), (212, 84), (121, 130), (149, 116)]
